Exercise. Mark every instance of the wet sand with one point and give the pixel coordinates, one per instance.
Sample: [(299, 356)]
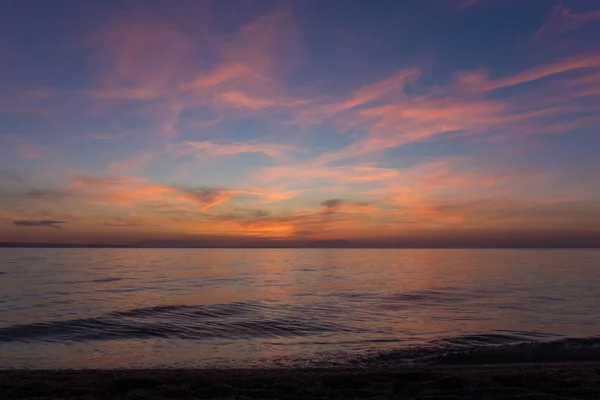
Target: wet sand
[(551, 381)]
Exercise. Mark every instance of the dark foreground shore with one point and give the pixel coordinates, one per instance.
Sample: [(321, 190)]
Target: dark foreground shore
[(572, 381)]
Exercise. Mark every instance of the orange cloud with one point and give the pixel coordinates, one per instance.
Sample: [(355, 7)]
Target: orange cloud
[(133, 191), (260, 223), (271, 195), (316, 170), (332, 215)]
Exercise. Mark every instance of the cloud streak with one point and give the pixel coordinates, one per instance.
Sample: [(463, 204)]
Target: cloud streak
[(43, 223), (211, 149), (563, 20)]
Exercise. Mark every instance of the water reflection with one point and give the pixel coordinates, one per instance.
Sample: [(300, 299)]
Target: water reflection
[(122, 307)]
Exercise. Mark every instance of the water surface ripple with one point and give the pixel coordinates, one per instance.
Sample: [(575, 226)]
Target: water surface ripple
[(107, 308)]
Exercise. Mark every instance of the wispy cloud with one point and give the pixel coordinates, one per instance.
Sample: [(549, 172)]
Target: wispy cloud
[(563, 20), (544, 71), (43, 223), (137, 58), (134, 191), (208, 148), (133, 163), (129, 223), (220, 75)]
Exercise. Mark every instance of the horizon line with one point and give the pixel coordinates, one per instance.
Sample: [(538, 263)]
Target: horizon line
[(324, 246)]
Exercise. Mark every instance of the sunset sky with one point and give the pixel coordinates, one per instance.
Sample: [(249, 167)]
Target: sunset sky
[(436, 122)]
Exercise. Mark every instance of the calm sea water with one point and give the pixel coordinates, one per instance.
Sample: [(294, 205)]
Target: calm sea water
[(121, 308)]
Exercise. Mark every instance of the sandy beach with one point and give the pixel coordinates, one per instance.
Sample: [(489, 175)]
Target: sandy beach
[(551, 381)]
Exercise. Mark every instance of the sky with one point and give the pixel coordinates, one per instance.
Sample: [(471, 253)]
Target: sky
[(245, 122)]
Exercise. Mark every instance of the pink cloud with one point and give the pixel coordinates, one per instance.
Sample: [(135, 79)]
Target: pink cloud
[(251, 65), (220, 75), (138, 58), (318, 171), (257, 44), (241, 99), (392, 86), (563, 20), (133, 163), (134, 191), (148, 59), (393, 118), (211, 149), (478, 81), (388, 89)]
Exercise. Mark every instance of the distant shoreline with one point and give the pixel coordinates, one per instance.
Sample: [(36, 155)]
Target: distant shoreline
[(19, 245), (531, 381)]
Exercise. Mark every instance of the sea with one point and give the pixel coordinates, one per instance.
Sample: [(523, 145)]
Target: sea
[(256, 308)]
